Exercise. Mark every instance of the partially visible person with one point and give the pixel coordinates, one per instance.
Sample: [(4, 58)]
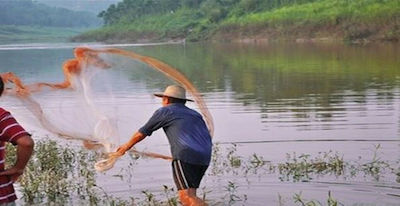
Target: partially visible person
[(189, 138), (11, 131)]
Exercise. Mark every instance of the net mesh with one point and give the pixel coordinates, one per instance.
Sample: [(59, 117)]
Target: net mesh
[(83, 107)]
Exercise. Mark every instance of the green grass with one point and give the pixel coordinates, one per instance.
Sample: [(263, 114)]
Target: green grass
[(325, 11), (22, 34), (177, 24)]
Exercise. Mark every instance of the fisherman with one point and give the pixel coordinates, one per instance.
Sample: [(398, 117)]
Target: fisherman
[(189, 139), (11, 131)]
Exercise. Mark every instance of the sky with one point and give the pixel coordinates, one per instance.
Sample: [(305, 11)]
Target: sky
[(94, 6)]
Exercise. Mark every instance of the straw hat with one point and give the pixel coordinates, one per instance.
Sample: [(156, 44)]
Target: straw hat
[(174, 91)]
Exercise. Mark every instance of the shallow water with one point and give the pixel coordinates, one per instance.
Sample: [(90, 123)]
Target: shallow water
[(271, 99)]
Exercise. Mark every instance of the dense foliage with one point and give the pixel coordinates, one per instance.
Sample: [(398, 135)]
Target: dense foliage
[(214, 10), (28, 12), (194, 20)]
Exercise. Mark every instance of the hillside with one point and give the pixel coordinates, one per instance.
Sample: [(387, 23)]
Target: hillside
[(27, 21), (231, 20), (93, 6), (31, 13)]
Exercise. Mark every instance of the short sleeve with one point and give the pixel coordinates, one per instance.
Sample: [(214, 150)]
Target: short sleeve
[(10, 129), (158, 120)]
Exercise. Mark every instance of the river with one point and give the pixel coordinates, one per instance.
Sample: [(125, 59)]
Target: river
[(275, 100)]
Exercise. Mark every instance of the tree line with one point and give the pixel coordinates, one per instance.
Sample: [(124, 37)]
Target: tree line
[(214, 10), (28, 12)]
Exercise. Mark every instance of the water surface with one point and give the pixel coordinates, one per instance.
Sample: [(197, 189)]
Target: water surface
[(270, 99)]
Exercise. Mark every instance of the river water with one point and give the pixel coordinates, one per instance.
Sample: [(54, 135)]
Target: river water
[(277, 101)]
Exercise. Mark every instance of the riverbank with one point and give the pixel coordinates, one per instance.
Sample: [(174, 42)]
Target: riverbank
[(337, 20), (36, 34), (350, 32)]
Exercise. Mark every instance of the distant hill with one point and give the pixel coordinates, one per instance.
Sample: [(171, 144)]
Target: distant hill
[(32, 13), (93, 6)]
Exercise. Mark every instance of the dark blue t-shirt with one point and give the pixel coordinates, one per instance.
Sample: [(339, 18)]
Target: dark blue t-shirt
[(186, 130)]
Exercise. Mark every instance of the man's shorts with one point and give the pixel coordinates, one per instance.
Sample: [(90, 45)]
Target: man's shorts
[(187, 175)]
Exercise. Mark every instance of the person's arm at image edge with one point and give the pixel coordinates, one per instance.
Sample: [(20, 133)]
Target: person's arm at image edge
[(25, 146)]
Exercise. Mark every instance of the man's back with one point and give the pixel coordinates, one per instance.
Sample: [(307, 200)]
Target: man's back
[(186, 130)]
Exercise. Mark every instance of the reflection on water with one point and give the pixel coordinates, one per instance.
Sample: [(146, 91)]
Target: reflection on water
[(272, 100), (298, 91)]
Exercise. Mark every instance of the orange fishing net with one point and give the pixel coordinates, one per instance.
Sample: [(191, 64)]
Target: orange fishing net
[(79, 73)]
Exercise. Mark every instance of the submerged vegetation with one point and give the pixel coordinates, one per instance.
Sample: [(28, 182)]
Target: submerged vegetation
[(58, 175), (65, 176), (330, 201), (194, 20), (303, 167)]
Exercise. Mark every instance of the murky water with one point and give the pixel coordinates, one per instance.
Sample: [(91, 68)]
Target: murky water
[(272, 100)]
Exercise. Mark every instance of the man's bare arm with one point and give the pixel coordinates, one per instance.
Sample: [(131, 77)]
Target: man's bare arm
[(137, 137), (24, 152)]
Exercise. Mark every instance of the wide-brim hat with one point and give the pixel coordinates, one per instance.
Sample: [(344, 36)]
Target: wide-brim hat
[(174, 91)]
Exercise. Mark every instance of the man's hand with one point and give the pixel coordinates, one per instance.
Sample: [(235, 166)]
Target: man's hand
[(14, 173), (120, 151), (137, 137)]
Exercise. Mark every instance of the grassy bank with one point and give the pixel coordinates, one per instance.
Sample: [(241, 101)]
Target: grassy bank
[(148, 28), (358, 20), (32, 34), (335, 19)]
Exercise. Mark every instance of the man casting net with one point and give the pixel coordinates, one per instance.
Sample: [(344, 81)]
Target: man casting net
[(83, 106)]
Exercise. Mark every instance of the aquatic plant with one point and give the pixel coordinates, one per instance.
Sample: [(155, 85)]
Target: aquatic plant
[(57, 175), (205, 191), (397, 172), (64, 175), (232, 163), (233, 197), (169, 198), (330, 201), (60, 175), (235, 161), (299, 168), (170, 194), (298, 199), (375, 166)]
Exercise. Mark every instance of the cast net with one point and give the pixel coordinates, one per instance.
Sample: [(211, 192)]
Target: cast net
[(83, 107)]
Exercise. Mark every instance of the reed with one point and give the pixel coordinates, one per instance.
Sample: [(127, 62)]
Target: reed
[(63, 175)]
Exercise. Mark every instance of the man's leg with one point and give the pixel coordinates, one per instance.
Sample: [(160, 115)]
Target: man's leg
[(188, 197), (187, 178)]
